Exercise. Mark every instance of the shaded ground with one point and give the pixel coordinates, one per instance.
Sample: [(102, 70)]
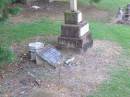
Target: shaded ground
[(79, 79), (56, 11)]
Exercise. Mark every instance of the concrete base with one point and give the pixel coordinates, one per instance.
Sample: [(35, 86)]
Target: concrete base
[(74, 31), (81, 43)]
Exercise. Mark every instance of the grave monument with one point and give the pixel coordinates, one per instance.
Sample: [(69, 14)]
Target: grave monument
[(123, 15), (75, 31), (120, 15), (127, 13)]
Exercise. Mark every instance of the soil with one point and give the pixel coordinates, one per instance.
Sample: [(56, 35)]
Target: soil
[(55, 11), (78, 79)]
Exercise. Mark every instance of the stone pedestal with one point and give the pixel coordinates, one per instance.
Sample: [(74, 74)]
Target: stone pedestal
[(73, 17), (75, 32)]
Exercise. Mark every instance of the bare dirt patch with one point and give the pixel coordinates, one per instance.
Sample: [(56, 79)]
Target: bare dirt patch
[(55, 11), (79, 79)]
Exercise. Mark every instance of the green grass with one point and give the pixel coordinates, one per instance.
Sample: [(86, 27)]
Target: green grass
[(119, 83), (117, 86), (113, 32), (11, 33), (109, 4), (6, 56), (113, 4), (15, 10)]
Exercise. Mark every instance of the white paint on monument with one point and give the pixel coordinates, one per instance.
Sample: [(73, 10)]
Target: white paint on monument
[(80, 17), (84, 30), (73, 5)]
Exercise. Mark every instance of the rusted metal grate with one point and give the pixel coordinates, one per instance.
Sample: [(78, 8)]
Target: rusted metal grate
[(50, 55)]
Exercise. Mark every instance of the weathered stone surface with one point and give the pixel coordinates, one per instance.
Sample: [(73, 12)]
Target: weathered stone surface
[(73, 17), (69, 42), (83, 42), (74, 31)]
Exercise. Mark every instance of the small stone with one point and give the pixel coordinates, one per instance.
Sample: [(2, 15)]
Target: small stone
[(48, 86), (68, 61), (23, 92), (35, 7), (23, 82)]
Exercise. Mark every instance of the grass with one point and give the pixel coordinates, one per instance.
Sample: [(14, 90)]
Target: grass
[(113, 32), (113, 4), (119, 83), (117, 86), (11, 33), (15, 10), (110, 5), (5, 56)]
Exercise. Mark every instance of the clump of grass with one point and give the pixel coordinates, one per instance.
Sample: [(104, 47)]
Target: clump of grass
[(6, 56), (94, 1), (4, 15), (15, 10)]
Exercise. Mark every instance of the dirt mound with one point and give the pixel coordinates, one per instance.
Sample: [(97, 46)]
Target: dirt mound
[(77, 79), (88, 71)]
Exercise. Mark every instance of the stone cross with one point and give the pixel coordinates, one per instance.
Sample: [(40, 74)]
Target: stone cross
[(73, 5)]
